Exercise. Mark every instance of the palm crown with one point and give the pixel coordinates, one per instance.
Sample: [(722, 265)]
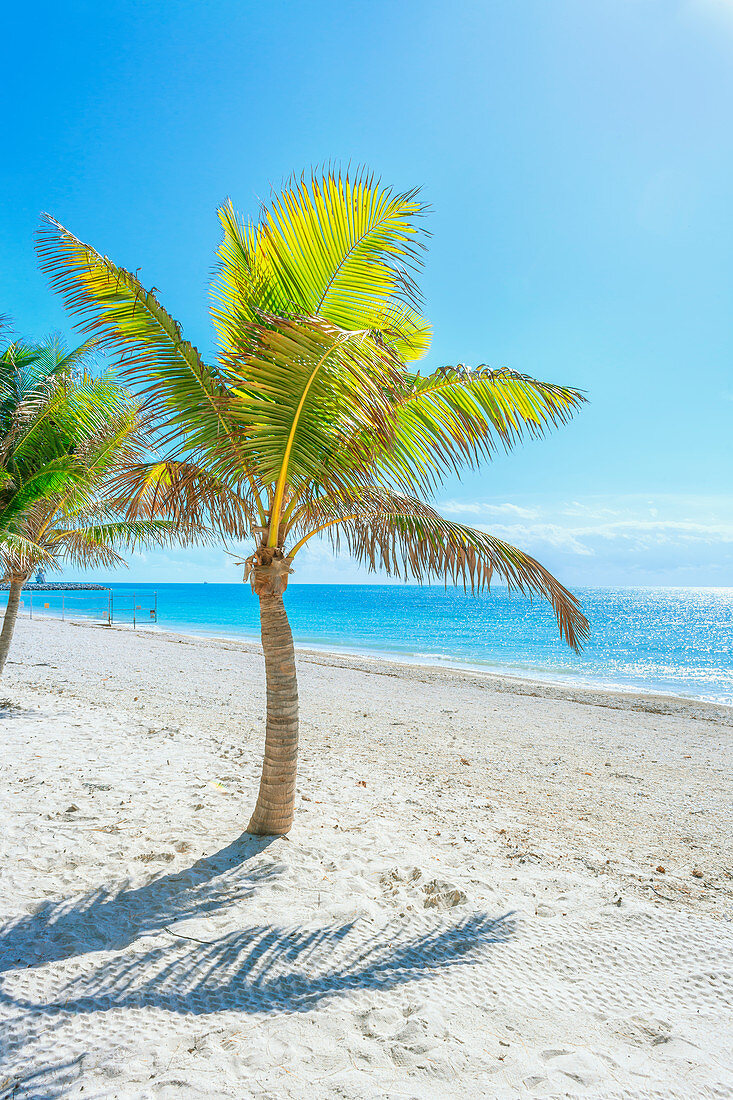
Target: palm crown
[(311, 419)]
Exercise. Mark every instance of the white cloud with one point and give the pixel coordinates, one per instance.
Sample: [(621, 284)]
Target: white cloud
[(648, 532), (526, 536), (483, 508), (632, 532), (590, 511)]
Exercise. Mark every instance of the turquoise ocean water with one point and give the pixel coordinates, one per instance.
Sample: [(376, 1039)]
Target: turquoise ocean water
[(672, 640)]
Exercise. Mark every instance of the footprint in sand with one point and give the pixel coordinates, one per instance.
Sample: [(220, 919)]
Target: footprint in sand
[(431, 894)]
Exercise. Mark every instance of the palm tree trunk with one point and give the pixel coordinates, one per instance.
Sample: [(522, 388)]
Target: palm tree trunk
[(11, 614), (273, 813)]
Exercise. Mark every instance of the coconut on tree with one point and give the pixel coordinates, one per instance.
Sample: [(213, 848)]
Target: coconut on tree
[(312, 419), (64, 434)]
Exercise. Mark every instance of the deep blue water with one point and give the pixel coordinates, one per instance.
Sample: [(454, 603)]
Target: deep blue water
[(674, 640)]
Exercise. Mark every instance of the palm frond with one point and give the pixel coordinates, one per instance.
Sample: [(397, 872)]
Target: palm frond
[(244, 287), (98, 543), (312, 393), (64, 419), (55, 478), (111, 303), (338, 246), (120, 442), (407, 538), (52, 359), (20, 555), (31, 373), (194, 498), (459, 416)]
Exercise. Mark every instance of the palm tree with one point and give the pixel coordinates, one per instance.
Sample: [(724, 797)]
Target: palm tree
[(310, 420), (42, 420), (63, 435)]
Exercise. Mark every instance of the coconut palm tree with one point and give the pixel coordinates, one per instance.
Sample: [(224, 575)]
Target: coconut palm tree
[(311, 419), (42, 420), (63, 435)]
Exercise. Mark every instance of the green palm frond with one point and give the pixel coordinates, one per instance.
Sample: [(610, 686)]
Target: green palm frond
[(341, 247), (28, 372), (51, 359), (112, 304), (24, 376), (72, 412), (459, 416), (49, 414), (59, 476), (309, 391)]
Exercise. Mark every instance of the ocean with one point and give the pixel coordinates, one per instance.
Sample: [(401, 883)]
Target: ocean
[(672, 640)]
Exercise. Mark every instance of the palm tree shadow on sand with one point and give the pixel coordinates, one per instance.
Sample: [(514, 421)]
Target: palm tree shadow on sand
[(254, 970), (265, 969), (112, 918)]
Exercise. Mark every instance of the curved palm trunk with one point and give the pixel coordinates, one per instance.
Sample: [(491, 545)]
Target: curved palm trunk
[(11, 614), (273, 813)]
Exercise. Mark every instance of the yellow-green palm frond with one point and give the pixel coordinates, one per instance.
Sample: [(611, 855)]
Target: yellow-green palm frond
[(312, 401), (111, 304), (245, 286), (458, 416), (339, 246)]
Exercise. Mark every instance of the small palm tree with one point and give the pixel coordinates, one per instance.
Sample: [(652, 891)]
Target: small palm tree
[(63, 435), (311, 419), (43, 420)]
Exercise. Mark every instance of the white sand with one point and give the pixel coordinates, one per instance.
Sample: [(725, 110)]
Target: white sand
[(468, 905)]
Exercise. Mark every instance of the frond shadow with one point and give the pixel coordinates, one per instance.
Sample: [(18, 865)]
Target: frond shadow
[(111, 918), (276, 970), (260, 969), (44, 1083)]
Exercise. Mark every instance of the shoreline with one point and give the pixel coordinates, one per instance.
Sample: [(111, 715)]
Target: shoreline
[(392, 657), (513, 682), (663, 659)]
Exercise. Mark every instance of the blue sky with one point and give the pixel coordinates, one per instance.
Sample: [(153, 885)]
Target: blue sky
[(578, 157)]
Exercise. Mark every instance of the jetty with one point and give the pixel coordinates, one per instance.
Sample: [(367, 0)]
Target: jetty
[(58, 586)]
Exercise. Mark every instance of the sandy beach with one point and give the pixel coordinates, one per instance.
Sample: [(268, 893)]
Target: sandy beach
[(494, 888)]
